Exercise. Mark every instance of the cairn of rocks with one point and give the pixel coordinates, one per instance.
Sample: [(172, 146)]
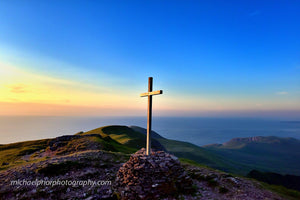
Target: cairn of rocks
[(154, 176)]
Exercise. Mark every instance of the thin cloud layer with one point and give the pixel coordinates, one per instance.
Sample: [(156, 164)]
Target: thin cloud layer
[(282, 93)]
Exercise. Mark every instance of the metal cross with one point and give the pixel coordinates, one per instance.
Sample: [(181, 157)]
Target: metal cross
[(149, 123)]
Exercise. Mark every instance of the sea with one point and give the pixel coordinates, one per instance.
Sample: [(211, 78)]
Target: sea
[(197, 130)]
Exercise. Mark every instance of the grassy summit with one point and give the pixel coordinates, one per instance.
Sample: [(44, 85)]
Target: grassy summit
[(122, 134)]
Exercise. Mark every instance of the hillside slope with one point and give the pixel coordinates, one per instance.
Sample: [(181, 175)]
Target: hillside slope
[(135, 137), (98, 154), (99, 166), (196, 153), (271, 154), (124, 135)]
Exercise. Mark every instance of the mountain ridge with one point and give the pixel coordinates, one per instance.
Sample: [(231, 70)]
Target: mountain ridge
[(114, 142), (263, 153)]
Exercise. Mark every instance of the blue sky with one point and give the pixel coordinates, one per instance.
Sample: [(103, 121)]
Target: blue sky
[(223, 57)]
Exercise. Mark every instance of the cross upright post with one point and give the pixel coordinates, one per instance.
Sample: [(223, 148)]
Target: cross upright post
[(149, 94), (149, 121)]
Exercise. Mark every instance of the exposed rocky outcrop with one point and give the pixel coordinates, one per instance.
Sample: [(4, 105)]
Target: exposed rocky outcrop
[(91, 166), (154, 176), (219, 185)]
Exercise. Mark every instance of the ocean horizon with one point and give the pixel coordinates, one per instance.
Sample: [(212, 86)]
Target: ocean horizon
[(197, 130)]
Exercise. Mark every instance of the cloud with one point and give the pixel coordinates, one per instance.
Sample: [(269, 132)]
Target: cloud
[(282, 93), (18, 88), (44, 109)]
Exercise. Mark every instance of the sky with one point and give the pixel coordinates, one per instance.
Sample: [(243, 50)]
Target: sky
[(93, 58)]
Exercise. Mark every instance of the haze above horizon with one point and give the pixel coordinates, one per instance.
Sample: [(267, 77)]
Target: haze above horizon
[(93, 58)]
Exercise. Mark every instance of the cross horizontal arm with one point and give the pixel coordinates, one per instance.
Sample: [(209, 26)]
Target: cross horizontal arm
[(151, 93)]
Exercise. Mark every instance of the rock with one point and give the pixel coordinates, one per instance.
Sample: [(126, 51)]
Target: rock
[(157, 175)]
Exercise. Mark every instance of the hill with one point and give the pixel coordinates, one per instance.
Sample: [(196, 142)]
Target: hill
[(268, 154), (99, 153), (195, 153), (124, 135), (131, 137)]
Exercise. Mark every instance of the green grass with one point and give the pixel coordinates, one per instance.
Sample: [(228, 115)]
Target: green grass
[(11, 154), (193, 163), (135, 140), (122, 134), (201, 156), (114, 146), (282, 191)]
